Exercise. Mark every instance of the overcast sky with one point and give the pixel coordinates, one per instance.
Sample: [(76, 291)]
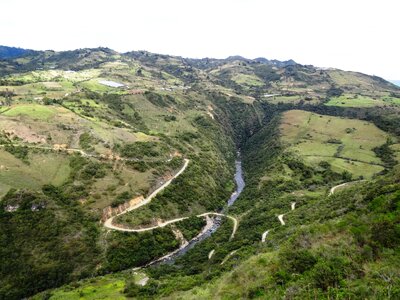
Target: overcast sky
[(347, 34)]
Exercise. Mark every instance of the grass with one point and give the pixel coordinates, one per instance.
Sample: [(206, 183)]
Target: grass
[(154, 116), (396, 149), (107, 188), (50, 89), (102, 287), (51, 75), (35, 111), (354, 167), (283, 99), (354, 101), (95, 85), (250, 80), (290, 99), (106, 287), (43, 168), (391, 100), (345, 143)]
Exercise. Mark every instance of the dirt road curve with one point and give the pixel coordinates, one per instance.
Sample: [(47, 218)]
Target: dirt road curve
[(280, 217), (108, 223), (264, 236), (333, 189)]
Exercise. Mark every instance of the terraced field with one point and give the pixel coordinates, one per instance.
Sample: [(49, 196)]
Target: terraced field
[(346, 144)]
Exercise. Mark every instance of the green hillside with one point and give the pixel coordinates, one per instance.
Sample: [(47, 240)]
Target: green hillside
[(110, 161)]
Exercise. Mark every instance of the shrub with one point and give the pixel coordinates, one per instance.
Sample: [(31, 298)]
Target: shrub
[(329, 273), (299, 261), (121, 199)]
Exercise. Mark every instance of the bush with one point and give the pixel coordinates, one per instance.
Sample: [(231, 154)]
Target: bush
[(140, 166), (121, 199), (334, 141), (85, 141), (329, 273), (299, 261), (139, 150), (20, 152), (93, 169), (169, 118)]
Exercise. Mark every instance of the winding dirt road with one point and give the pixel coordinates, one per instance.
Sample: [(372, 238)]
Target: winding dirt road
[(108, 223), (333, 189), (293, 205), (75, 150), (280, 218), (228, 256), (184, 243), (264, 236)]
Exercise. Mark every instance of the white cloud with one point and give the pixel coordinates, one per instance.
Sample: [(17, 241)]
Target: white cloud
[(348, 34)]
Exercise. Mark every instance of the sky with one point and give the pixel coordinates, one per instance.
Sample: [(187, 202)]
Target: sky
[(351, 35)]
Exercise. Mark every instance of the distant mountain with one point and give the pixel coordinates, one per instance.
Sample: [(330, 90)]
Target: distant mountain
[(396, 82), (13, 52), (254, 77)]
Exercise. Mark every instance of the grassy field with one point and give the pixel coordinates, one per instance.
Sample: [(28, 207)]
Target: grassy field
[(346, 144), (48, 125), (38, 90), (103, 287), (354, 101), (249, 80), (34, 111), (106, 287), (95, 85), (396, 149), (154, 116), (43, 168), (351, 100)]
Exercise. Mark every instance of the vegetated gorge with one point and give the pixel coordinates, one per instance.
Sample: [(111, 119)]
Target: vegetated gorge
[(121, 178)]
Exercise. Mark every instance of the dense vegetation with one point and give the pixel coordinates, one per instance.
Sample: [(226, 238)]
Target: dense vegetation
[(44, 239), (127, 250)]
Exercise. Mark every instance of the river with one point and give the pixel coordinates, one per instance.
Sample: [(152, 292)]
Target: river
[(216, 221)]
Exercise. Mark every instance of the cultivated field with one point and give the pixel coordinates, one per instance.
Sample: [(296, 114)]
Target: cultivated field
[(346, 144)]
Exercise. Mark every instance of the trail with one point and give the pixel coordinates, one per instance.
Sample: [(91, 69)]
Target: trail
[(143, 281), (333, 189), (280, 217), (76, 150), (184, 243), (293, 206), (228, 256), (264, 236), (211, 253), (108, 223)]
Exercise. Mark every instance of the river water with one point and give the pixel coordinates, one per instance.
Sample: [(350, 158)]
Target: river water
[(216, 221)]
